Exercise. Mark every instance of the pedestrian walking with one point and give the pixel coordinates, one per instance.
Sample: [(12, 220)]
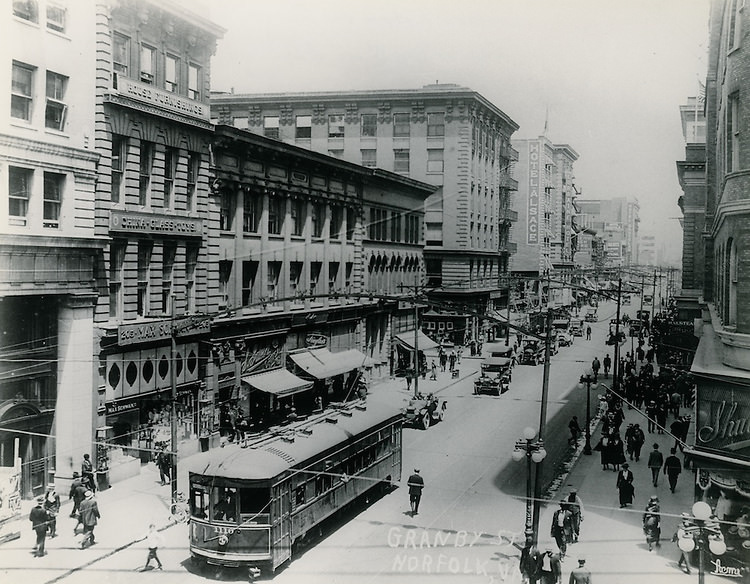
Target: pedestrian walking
[(443, 360), (604, 451), (530, 563), (76, 492), (652, 412), (459, 354), (639, 439), (550, 570), (89, 512), (616, 455), (39, 518), (588, 333), (52, 507), (415, 484), (562, 528), (153, 541), (655, 462), (607, 365), (87, 472), (624, 485), (683, 533), (575, 430), (433, 371), (581, 574), (652, 523), (672, 468), (595, 366), (164, 464), (452, 361), (575, 505)]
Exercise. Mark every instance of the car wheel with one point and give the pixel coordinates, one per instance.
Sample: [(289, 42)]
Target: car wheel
[(425, 420)]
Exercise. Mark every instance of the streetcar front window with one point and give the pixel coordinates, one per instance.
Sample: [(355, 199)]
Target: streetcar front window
[(254, 501), (224, 503), (199, 501)]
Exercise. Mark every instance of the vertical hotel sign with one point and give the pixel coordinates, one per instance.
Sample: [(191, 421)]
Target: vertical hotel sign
[(532, 216)]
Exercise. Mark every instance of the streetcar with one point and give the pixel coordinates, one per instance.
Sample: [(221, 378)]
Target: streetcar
[(252, 507)]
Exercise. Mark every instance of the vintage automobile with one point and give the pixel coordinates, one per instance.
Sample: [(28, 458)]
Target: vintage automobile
[(423, 410), (591, 315), (576, 330), (564, 339), (495, 375), (532, 352), (626, 299), (618, 327)]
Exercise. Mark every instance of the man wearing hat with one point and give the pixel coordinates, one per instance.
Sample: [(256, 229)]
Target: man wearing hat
[(576, 512), (550, 570), (581, 574), (77, 491), (52, 507), (39, 518), (89, 511), (416, 484)]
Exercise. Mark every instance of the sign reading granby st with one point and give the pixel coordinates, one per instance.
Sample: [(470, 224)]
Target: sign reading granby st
[(724, 419)]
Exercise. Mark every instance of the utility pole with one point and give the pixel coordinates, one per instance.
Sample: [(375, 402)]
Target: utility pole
[(542, 426), (416, 348), (615, 369), (653, 300), (507, 326)]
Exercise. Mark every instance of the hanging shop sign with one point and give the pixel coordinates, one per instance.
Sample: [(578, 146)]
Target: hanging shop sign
[(532, 218), (154, 224), (724, 419), (129, 334)]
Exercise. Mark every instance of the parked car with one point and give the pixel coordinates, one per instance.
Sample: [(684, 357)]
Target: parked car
[(564, 339), (576, 330), (591, 315), (423, 410)]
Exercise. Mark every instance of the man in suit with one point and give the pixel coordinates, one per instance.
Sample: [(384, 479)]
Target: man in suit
[(39, 518), (550, 570), (672, 468), (655, 462), (415, 484)]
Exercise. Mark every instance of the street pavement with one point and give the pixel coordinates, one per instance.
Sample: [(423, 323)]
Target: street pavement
[(469, 528)]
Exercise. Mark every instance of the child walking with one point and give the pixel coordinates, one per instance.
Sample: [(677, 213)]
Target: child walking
[(153, 540)]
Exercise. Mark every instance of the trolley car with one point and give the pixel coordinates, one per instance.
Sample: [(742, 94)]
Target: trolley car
[(250, 507)]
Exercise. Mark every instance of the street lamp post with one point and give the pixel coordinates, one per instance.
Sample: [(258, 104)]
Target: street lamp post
[(700, 531), (587, 379), (533, 451)]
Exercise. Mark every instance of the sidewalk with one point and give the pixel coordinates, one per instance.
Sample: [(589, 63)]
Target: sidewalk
[(611, 539)]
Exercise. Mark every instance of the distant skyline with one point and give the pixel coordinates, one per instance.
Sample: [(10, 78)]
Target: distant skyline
[(608, 77)]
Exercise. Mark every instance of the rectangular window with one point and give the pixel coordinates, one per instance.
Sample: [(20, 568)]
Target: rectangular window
[(315, 268), (194, 80), (333, 276), (369, 158), (121, 54), (249, 273), (349, 269), (193, 169), (303, 127), (334, 227), (56, 18), (435, 160), (116, 263), (275, 214), (412, 228), (401, 125), (225, 273), (299, 214), (170, 169), (733, 133), (735, 20), (26, 9), (148, 64), (21, 92), (145, 169), (401, 160), (53, 193), (119, 153), (226, 210), (351, 222), (369, 126), (295, 274), (396, 226), (167, 275), (171, 73), (144, 268), (19, 192), (336, 126), (55, 112), (318, 218), (436, 124), (271, 127), (191, 266), (251, 212), (274, 271)]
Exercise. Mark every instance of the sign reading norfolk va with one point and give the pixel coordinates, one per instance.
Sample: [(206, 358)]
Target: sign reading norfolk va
[(154, 224)]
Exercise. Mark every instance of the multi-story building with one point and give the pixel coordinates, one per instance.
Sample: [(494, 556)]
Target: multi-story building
[(153, 135), (445, 135), (617, 221), (312, 252), (647, 251), (719, 438), (545, 217), (50, 252)]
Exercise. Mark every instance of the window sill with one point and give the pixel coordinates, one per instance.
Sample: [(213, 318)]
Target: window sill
[(58, 34), (60, 133), (22, 124), (26, 22)]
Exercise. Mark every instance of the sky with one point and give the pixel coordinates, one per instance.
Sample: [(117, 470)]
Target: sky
[(607, 76)]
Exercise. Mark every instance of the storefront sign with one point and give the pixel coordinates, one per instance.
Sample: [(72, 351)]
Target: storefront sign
[(316, 340), (680, 327), (161, 98), (532, 233), (120, 407), (129, 334), (724, 419), (154, 224)]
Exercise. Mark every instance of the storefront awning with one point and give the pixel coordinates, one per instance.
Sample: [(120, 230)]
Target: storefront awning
[(279, 382), (321, 363), (423, 341)]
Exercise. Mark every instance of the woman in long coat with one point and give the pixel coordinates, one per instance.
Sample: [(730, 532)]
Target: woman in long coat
[(652, 523), (604, 451), (616, 452)]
